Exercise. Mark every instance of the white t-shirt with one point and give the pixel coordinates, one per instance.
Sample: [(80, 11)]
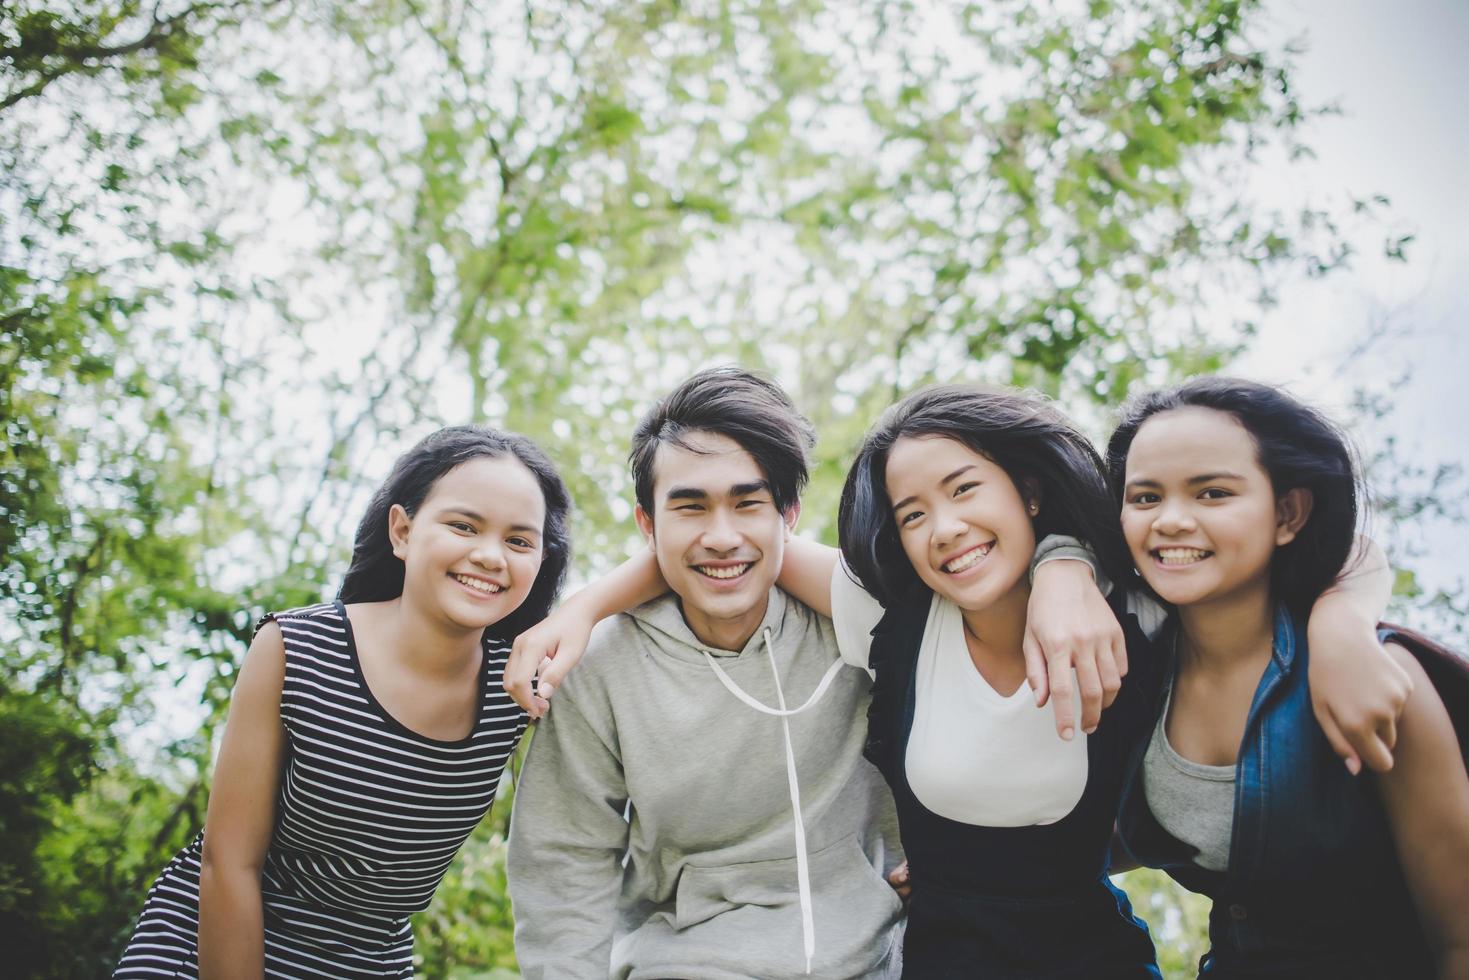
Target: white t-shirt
[(974, 755)]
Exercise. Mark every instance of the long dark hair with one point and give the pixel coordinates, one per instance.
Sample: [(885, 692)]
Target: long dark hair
[(376, 574), (1297, 446), (1022, 434)]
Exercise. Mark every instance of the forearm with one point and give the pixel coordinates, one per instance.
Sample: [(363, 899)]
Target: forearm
[(806, 570), (634, 582), (1361, 593), (231, 924)]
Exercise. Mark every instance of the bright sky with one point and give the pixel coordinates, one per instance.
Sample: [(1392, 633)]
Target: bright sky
[(1399, 73)]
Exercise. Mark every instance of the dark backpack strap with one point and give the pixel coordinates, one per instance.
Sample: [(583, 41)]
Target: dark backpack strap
[(1446, 668)]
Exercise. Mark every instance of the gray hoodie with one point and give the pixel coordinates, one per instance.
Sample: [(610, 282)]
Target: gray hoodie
[(654, 831)]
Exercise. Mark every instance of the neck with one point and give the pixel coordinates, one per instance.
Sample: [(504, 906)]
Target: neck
[(430, 644), (724, 634), (1000, 626), (1221, 633)]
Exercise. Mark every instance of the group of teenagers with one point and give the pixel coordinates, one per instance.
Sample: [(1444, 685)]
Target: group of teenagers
[(757, 756)]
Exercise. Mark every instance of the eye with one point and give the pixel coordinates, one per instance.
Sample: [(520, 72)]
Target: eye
[(521, 542), (1143, 499), (689, 508), (464, 527), (747, 504), (909, 518), (961, 488), (1215, 493)]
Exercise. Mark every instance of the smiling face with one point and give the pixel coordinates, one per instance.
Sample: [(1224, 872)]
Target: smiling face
[(717, 535), (473, 549), (962, 521), (1199, 513)]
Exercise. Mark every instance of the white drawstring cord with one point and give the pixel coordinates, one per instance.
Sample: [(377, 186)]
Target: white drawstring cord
[(803, 872)]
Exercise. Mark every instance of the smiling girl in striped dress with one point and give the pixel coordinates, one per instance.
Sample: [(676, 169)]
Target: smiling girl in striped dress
[(366, 736)]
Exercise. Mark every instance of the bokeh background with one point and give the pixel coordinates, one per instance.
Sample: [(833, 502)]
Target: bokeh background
[(250, 250)]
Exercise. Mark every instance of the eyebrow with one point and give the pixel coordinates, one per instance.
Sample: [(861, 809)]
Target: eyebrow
[(957, 473), (479, 518), (699, 493), (1201, 478)]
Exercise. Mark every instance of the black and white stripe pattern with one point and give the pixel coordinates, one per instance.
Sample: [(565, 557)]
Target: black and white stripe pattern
[(369, 817)]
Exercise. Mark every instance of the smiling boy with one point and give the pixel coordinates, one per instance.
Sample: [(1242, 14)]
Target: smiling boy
[(697, 804)]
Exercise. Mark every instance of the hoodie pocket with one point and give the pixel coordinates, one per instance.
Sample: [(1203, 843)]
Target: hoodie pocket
[(843, 883)]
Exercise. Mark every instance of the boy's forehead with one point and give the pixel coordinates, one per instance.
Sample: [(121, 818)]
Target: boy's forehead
[(707, 461)]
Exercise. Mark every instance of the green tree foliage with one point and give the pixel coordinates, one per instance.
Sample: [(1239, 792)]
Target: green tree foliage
[(249, 250)]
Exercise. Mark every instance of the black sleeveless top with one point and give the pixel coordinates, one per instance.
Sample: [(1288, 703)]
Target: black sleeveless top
[(1012, 901), (368, 818)]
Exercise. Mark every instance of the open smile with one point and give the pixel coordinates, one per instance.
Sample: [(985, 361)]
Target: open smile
[(729, 572), (1179, 557), (968, 559), (480, 586)]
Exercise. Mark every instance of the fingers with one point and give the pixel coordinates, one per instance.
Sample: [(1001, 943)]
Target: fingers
[(1339, 743), (553, 671), (1089, 683), (1118, 645), (901, 883), (1035, 668), (520, 671), (1111, 675), (1061, 703)]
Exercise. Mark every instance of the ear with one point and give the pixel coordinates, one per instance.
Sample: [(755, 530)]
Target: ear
[(1030, 491), (1292, 511), (645, 523), (791, 515), (398, 524)]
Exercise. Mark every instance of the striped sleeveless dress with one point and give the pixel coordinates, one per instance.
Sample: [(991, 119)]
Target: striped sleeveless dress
[(368, 818)]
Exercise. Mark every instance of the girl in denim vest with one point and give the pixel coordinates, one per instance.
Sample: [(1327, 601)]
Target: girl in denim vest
[(1239, 506)]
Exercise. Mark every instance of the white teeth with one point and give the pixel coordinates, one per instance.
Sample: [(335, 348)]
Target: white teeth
[(728, 571), (968, 558), (1181, 556), (478, 584)]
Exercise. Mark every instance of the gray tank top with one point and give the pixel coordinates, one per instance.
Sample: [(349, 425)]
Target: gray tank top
[(1193, 802)]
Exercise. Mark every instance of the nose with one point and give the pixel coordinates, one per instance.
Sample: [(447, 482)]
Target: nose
[(948, 526), (720, 534), (1173, 518), (489, 554)]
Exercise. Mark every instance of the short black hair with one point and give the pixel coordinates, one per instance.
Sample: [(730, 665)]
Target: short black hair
[(1022, 433), (376, 574), (729, 401), (1297, 446)]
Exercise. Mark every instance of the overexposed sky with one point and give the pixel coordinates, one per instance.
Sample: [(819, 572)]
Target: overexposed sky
[(1399, 74)]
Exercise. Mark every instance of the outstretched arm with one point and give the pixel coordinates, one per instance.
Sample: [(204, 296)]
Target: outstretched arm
[(554, 645), (1426, 796), (1357, 691), (1069, 625), (806, 572)]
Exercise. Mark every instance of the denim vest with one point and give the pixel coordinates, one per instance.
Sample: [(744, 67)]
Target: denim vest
[(1313, 886)]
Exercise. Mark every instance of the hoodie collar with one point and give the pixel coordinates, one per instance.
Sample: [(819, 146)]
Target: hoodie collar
[(662, 619)]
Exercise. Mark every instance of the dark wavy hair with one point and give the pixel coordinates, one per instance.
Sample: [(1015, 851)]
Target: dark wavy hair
[(1023, 434), (1296, 446), (376, 574), (751, 410)]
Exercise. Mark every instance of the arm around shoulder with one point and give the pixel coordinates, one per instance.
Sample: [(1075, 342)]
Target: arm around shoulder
[(241, 816), (1426, 795)]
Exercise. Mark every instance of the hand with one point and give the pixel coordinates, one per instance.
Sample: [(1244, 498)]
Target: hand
[(1357, 691), (1069, 625), (902, 884), (548, 649)]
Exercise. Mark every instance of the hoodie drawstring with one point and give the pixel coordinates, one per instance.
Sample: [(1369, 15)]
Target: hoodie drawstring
[(803, 871)]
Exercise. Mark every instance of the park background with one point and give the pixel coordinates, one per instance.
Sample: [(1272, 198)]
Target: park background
[(250, 250)]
